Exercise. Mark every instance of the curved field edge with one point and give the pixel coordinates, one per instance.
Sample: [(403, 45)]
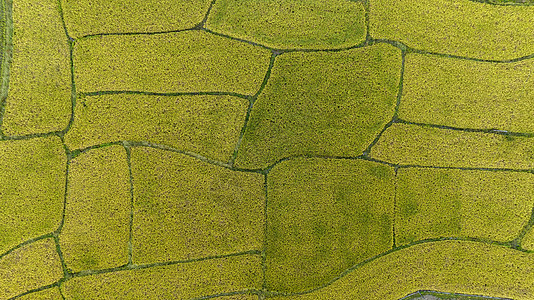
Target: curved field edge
[(465, 267), (434, 295)]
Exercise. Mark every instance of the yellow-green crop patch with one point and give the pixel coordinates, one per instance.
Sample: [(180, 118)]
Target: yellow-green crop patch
[(322, 103), (324, 216), (464, 93), (29, 267), (190, 61), (207, 125), (528, 240), (47, 294), (88, 17), (185, 208), (291, 24), (434, 203), (457, 27), (178, 281), (39, 97), (97, 215), (428, 146), (463, 267), (32, 177)]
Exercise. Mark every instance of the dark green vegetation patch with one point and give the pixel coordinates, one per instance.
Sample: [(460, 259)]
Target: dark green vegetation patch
[(322, 103), (207, 125), (435, 203), (191, 61), (97, 215), (324, 216), (185, 208), (291, 24), (32, 177)]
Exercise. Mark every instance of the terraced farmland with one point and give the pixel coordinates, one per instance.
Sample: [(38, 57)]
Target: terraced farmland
[(255, 149)]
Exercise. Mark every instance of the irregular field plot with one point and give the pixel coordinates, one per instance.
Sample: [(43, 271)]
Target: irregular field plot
[(29, 267), (179, 281), (322, 103), (39, 98), (463, 93), (291, 24), (86, 17), (434, 203), (207, 125), (324, 216), (463, 267), (32, 176), (427, 146), (185, 208), (97, 215), (457, 27), (191, 61)]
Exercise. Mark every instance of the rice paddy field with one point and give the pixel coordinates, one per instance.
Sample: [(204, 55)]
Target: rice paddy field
[(267, 149)]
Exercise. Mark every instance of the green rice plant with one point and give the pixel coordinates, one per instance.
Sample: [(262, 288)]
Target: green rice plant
[(90, 17), (190, 61), (435, 203), (291, 24), (455, 27), (429, 146), (460, 266), (39, 97), (207, 125), (466, 93), (97, 215), (29, 267), (322, 103), (324, 216), (190, 280), (185, 208), (32, 177)]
